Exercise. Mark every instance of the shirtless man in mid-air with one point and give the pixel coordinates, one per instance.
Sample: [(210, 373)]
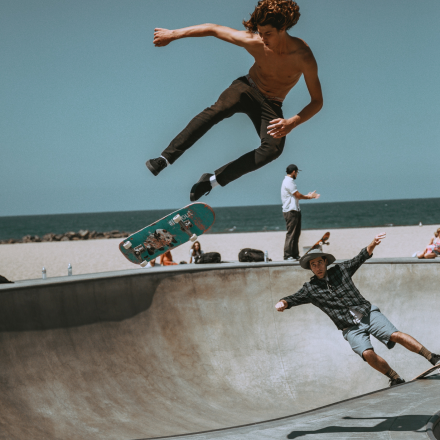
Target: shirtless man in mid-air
[(280, 60)]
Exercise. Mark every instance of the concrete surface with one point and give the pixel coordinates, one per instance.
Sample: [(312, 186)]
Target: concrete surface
[(401, 413), (170, 351)]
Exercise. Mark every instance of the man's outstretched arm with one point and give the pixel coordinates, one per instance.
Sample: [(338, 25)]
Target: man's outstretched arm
[(375, 242), (163, 37), (298, 298), (310, 195), (355, 263)]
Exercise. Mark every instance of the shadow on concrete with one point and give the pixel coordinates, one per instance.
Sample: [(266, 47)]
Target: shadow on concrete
[(409, 423), (67, 305)]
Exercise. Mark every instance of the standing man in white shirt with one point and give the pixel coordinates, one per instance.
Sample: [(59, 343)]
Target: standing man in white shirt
[(290, 197)]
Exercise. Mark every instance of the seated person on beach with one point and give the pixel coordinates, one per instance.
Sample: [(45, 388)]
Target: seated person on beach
[(334, 292), (152, 263), (433, 248), (166, 259), (195, 251)]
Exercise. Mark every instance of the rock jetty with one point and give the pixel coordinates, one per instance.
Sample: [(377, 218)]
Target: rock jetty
[(68, 236)]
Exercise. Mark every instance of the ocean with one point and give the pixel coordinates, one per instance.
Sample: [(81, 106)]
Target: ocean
[(389, 213)]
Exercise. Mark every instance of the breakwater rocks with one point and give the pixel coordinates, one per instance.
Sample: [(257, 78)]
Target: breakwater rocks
[(68, 236)]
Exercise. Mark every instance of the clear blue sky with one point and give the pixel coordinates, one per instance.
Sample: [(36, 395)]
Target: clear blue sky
[(86, 99)]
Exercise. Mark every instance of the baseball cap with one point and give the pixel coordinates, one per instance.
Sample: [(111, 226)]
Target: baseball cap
[(291, 168)]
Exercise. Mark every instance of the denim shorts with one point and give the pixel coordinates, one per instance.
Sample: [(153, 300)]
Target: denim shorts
[(376, 324)]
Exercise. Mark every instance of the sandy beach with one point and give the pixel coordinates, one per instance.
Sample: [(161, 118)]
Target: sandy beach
[(23, 261)]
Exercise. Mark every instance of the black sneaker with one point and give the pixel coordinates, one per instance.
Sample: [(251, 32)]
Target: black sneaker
[(202, 187), (156, 165), (397, 381), (435, 359)]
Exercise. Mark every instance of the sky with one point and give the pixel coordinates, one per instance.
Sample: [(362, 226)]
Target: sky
[(86, 99)]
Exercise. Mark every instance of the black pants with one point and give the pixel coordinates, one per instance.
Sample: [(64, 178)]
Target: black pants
[(239, 97), (293, 223)]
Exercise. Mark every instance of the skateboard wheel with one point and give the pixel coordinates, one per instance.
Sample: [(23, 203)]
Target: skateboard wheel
[(144, 263), (177, 218), (127, 245), (193, 237), (320, 243)]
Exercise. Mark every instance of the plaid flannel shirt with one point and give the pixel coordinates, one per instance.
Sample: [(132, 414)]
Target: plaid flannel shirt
[(337, 296)]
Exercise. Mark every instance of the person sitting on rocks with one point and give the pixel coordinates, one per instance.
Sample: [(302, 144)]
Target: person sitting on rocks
[(334, 292)]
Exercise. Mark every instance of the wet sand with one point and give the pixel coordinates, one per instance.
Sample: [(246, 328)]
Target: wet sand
[(25, 260)]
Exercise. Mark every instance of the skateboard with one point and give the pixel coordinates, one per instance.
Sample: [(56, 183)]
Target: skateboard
[(168, 232), (428, 371), (319, 243)]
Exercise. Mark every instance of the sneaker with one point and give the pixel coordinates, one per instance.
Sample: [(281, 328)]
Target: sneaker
[(397, 381), (414, 254), (156, 165), (435, 359), (289, 259), (202, 187)]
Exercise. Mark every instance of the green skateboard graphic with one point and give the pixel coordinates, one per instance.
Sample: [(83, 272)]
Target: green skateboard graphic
[(167, 233)]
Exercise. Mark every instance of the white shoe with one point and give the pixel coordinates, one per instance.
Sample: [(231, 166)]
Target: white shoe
[(414, 254)]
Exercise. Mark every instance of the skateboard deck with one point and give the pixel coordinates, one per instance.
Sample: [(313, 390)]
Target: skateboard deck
[(167, 233), (319, 243), (428, 371)]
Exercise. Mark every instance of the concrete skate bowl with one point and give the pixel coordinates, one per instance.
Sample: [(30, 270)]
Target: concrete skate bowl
[(150, 353)]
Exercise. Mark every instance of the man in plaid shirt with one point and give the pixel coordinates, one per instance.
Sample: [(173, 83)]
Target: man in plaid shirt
[(334, 292)]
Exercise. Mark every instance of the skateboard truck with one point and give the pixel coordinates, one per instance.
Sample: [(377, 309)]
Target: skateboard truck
[(185, 226), (157, 240), (137, 252)]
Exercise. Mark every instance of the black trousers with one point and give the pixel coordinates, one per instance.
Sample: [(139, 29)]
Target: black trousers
[(239, 97), (293, 223)]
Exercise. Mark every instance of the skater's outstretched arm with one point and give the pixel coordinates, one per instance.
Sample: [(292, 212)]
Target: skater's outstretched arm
[(298, 298), (355, 263), (375, 242), (163, 37)]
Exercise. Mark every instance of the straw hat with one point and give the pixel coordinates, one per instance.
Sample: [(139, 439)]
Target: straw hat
[(315, 253)]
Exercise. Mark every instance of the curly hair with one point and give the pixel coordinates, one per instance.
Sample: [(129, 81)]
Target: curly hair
[(281, 14)]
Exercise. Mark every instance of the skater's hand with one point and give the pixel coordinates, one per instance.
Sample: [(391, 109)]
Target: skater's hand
[(281, 305), (376, 241), (282, 127), (162, 37), (313, 195), (379, 238)]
